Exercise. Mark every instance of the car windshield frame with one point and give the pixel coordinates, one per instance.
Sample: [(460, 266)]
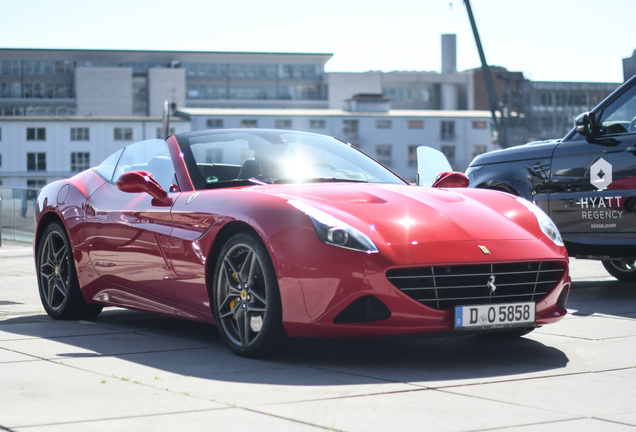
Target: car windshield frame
[(243, 157)]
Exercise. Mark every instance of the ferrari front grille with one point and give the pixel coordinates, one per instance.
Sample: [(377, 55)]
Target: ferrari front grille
[(444, 287)]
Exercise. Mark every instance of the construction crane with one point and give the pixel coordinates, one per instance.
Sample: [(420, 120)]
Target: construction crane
[(494, 104)]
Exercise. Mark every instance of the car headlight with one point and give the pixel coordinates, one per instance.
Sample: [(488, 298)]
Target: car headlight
[(545, 223), (333, 231)]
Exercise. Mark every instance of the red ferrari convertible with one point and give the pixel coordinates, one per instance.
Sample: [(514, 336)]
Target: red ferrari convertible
[(272, 234)]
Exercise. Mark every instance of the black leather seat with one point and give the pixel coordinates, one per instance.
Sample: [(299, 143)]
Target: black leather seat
[(249, 169)]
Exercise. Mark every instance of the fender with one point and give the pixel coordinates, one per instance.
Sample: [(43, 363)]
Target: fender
[(521, 170), (507, 178)]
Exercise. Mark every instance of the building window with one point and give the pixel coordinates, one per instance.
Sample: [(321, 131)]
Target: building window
[(449, 152), (123, 134), (214, 123), (80, 161), (36, 161), (447, 130), (36, 134), (383, 124), (283, 124), (350, 129), (79, 134), (413, 155), (478, 149), (245, 91), (480, 125), (317, 124), (399, 94), (33, 186), (416, 124), (160, 134), (383, 154), (36, 184), (424, 95), (249, 123)]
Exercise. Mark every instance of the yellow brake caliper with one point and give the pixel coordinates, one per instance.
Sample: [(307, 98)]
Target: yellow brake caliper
[(234, 301)]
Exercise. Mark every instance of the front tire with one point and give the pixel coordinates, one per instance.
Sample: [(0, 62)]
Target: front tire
[(57, 278), (623, 270), (246, 299)]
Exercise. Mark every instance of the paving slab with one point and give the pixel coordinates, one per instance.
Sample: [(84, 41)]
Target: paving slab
[(588, 394), (229, 419), (577, 425), (422, 409), (214, 375), (582, 354), (43, 393), (42, 326), (432, 362)]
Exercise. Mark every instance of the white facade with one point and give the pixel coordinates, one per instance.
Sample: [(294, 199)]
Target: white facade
[(69, 145), (35, 151)]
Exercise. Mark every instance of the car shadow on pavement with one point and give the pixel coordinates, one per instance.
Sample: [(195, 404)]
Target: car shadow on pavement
[(607, 297), (192, 349)]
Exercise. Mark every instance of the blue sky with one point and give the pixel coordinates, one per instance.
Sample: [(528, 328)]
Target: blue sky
[(547, 40)]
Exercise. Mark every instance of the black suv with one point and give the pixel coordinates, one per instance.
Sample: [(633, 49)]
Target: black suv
[(586, 181)]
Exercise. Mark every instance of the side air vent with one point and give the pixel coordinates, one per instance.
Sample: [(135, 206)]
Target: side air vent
[(364, 309)]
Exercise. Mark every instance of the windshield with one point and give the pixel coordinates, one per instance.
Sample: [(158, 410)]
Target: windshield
[(237, 157)]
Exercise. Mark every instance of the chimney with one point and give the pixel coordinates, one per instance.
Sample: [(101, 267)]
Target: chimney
[(449, 53), (449, 96)]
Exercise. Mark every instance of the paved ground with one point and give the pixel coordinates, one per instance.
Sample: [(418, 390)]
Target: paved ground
[(131, 371)]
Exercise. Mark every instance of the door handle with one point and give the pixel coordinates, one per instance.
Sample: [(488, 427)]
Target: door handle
[(89, 210)]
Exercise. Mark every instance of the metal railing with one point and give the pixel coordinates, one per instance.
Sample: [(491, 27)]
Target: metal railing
[(17, 209)]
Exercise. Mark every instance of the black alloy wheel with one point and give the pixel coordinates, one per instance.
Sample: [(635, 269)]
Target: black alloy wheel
[(246, 298), (57, 278)]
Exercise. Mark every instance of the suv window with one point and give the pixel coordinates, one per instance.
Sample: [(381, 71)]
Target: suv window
[(619, 117)]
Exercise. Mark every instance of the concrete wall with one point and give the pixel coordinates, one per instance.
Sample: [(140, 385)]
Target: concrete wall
[(343, 85), (58, 145), (104, 91), (629, 66), (165, 85)]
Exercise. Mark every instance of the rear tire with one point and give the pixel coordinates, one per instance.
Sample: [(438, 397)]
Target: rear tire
[(623, 270), (57, 278)]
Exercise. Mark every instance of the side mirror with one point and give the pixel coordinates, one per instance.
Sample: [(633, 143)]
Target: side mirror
[(142, 181), (451, 179), (586, 124)]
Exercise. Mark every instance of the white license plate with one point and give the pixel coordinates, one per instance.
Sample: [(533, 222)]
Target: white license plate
[(494, 316)]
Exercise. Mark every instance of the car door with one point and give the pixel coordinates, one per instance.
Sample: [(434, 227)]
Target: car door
[(593, 179), (129, 233)]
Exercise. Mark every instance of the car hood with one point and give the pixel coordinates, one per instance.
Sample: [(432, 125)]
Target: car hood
[(533, 150), (407, 214)]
